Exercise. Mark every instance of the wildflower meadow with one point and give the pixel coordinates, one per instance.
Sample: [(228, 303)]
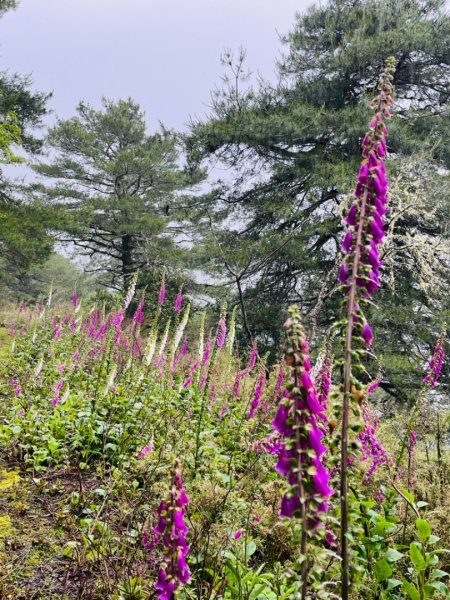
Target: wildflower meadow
[(224, 346), (144, 455)]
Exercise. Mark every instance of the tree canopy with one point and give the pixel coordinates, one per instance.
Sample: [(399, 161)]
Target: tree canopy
[(292, 148)]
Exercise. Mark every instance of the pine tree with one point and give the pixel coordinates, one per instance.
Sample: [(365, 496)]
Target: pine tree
[(24, 241), (293, 148), (115, 188)]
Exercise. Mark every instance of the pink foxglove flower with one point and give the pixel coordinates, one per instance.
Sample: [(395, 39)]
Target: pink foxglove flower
[(162, 293), (75, 299), (100, 334), (139, 313), (222, 332), (300, 456), (171, 528), (271, 444), (253, 355), (178, 302), (365, 219), (279, 384), (371, 447), (145, 451), (257, 396), (436, 362), (206, 352)]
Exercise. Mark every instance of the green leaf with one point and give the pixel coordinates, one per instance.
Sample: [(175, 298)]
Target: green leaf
[(421, 504), (437, 574), (382, 569), (440, 587), (393, 583), (417, 559), (250, 548), (393, 555), (433, 539), (423, 529), (432, 559), (411, 590), (408, 495)]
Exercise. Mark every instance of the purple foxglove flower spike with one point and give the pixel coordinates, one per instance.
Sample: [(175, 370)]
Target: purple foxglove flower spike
[(371, 447), (222, 332), (436, 362), (301, 449), (171, 528), (178, 302), (257, 396), (253, 355), (162, 293)]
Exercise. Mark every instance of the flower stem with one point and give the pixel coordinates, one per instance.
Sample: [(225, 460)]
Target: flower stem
[(346, 400)]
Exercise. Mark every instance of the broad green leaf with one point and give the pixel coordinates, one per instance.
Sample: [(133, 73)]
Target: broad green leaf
[(411, 590), (417, 559), (432, 559), (433, 539), (423, 529), (250, 549), (440, 587), (393, 583), (393, 555), (382, 569), (437, 574)]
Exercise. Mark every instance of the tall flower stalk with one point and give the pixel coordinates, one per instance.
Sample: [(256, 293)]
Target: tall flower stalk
[(300, 455), (171, 528), (359, 273)]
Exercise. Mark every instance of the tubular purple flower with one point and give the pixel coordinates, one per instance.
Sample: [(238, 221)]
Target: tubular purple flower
[(75, 299), (314, 438), (367, 334), (343, 273), (347, 243), (352, 214), (321, 478)]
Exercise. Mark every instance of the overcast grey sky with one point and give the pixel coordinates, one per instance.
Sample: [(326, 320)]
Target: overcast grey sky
[(162, 53)]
